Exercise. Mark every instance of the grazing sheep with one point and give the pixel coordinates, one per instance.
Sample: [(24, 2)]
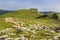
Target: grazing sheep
[(49, 39), (15, 22), (5, 30), (56, 37), (23, 37), (9, 19), (26, 38), (10, 38), (11, 34), (33, 31), (16, 26), (52, 31), (17, 38), (58, 34), (21, 29), (22, 24), (47, 27)]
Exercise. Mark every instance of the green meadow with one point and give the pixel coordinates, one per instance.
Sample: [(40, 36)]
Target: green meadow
[(29, 16)]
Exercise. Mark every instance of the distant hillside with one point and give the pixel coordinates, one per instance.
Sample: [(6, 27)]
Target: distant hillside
[(4, 11), (49, 12)]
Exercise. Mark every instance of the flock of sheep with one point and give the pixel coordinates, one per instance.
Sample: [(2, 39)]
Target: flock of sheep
[(32, 28)]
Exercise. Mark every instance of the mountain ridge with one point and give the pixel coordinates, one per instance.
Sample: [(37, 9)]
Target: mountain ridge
[(4, 11)]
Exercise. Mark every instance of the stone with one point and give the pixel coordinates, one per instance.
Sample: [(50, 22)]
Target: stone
[(57, 29), (4, 37)]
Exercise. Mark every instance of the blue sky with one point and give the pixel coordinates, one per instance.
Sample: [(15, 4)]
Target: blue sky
[(42, 5)]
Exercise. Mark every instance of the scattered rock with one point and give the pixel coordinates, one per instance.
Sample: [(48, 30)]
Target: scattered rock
[(57, 29), (4, 37)]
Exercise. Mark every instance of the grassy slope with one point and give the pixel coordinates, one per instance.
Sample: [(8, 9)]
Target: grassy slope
[(27, 16)]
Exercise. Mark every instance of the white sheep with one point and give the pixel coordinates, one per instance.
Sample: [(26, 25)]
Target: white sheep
[(16, 26), (9, 19), (56, 37), (22, 24)]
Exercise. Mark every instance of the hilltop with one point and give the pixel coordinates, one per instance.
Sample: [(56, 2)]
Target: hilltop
[(27, 13)]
